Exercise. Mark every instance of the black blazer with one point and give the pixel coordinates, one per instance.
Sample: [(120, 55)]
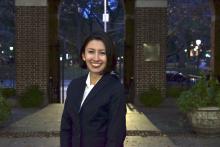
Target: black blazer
[(101, 121)]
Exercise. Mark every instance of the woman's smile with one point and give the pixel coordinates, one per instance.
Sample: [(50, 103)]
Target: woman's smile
[(95, 56)]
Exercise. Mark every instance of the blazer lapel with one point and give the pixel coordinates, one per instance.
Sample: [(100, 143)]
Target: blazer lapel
[(101, 83), (79, 93)]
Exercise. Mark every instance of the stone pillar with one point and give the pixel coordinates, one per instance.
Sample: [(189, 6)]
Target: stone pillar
[(31, 45), (150, 35), (54, 52)]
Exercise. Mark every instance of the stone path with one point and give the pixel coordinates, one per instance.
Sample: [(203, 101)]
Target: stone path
[(146, 127)]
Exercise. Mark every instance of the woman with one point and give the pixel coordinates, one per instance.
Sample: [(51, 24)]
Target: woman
[(95, 109)]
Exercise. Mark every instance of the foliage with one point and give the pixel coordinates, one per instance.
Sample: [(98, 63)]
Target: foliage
[(32, 97), (8, 92), (89, 18), (7, 25), (5, 109), (204, 93), (187, 22), (151, 98)]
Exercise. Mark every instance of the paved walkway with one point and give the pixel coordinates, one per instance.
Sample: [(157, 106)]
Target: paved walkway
[(155, 127)]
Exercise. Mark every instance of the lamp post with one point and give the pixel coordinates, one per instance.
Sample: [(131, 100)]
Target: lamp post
[(11, 61), (105, 17), (198, 43)]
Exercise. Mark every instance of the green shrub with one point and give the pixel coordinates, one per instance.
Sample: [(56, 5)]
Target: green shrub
[(5, 109), (32, 97), (8, 92), (204, 93), (151, 98), (217, 99)]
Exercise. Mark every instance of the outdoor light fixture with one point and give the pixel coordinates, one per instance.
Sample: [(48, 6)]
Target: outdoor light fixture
[(207, 55), (198, 42), (196, 48), (11, 48), (67, 56)]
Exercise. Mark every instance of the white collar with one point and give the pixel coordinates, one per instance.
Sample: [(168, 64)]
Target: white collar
[(88, 81)]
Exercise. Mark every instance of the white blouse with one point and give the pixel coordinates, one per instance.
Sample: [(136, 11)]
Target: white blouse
[(88, 88)]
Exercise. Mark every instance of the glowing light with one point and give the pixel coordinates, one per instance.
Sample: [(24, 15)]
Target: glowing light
[(196, 48), (207, 55), (198, 42), (145, 44), (67, 56)]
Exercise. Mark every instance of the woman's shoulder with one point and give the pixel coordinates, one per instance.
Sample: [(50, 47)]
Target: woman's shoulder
[(77, 80), (115, 80)]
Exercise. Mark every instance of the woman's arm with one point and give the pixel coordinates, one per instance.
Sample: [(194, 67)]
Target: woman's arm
[(117, 118)]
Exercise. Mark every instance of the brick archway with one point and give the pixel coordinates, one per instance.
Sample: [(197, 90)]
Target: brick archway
[(37, 48)]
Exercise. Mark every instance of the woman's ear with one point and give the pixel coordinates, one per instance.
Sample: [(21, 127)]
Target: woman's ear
[(83, 57)]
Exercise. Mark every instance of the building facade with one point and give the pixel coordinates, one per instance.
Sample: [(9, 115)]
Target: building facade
[(35, 45)]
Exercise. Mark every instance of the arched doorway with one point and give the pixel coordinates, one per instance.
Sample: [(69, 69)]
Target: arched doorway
[(76, 20)]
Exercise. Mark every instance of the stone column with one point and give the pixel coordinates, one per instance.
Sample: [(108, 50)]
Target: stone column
[(150, 39), (31, 45)]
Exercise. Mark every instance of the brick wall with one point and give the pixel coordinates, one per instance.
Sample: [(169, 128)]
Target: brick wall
[(31, 47), (150, 27)]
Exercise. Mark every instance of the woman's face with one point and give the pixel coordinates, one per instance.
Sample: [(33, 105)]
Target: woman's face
[(95, 56)]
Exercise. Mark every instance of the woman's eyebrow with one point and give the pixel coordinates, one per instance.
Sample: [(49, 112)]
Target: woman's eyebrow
[(95, 49), (91, 48)]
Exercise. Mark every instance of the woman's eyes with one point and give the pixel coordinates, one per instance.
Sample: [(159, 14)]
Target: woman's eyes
[(91, 51), (101, 52)]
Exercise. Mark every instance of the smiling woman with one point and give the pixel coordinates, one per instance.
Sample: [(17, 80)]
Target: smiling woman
[(95, 109)]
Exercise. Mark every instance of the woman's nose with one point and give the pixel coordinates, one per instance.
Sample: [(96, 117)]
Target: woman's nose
[(96, 56)]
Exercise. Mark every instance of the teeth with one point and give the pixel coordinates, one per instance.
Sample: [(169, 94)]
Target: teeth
[(95, 64)]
